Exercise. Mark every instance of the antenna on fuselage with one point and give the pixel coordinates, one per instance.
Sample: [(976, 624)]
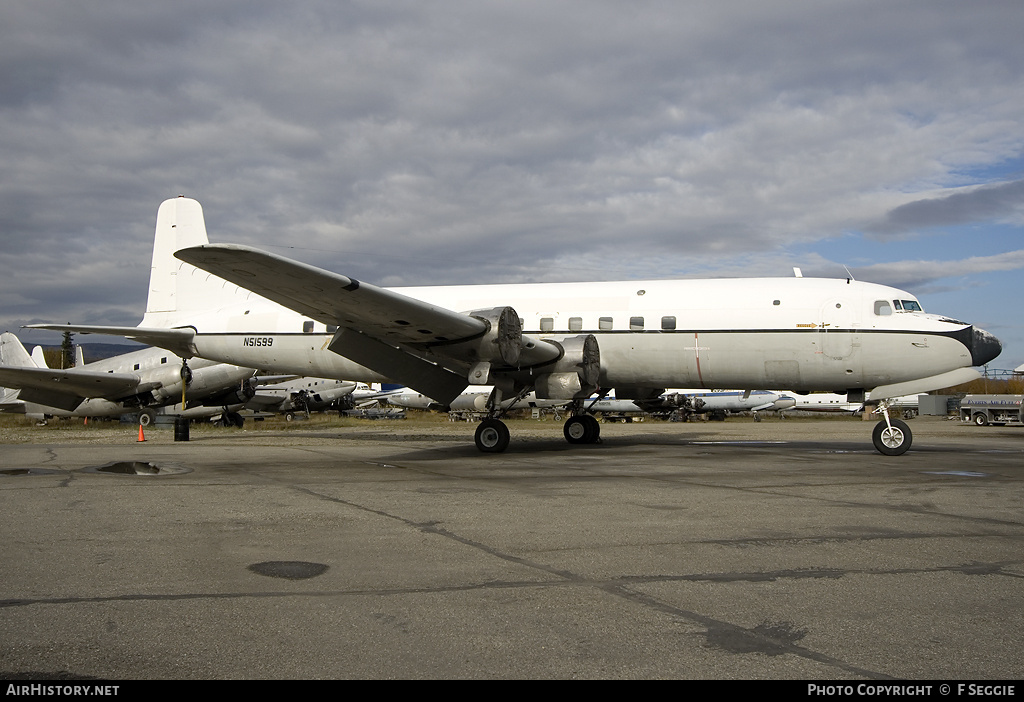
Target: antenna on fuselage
[(849, 275), (797, 272)]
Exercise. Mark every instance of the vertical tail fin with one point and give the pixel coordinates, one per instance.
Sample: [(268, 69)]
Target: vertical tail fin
[(13, 353), (38, 358), (177, 289)]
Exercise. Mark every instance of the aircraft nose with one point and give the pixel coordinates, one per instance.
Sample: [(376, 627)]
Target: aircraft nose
[(984, 347)]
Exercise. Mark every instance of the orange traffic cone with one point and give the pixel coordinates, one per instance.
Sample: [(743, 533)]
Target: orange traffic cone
[(142, 437)]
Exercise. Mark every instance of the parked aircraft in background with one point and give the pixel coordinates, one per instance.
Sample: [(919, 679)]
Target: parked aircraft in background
[(563, 341), (300, 395), (472, 400), (718, 404), (906, 405), (141, 381)]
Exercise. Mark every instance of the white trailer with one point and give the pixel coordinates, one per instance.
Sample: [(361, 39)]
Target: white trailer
[(991, 409)]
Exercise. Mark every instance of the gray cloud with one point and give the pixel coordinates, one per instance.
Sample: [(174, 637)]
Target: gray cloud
[(980, 204), (923, 274), (484, 142)]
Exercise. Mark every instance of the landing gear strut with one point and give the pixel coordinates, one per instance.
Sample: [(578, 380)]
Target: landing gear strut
[(891, 437)]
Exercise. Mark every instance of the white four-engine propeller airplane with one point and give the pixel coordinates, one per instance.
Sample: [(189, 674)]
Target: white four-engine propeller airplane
[(563, 341)]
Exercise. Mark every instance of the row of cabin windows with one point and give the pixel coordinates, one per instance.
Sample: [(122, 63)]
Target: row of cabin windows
[(307, 327), (137, 366), (547, 324)]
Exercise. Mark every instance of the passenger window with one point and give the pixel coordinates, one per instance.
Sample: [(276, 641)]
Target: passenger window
[(307, 327), (882, 308), (604, 324), (576, 324), (636, 323), (547, 324), (668, 322)]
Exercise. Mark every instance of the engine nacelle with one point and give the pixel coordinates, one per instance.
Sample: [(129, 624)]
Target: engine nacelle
[(165, 383), (245, 391), (502, 342), (576, 374)]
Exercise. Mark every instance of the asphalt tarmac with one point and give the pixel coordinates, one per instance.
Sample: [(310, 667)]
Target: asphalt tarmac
[(713, 550)]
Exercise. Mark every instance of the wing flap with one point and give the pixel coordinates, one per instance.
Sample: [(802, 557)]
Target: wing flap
[(428, 378)]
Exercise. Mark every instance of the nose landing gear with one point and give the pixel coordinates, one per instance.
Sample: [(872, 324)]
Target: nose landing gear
[(891, 437)]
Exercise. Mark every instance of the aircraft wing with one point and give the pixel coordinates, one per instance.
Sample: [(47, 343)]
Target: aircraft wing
[(332, 298), (407, 340), (65, 389), (178, 341)]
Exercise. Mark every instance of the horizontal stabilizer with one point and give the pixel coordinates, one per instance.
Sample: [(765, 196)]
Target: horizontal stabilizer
[(922, 385), (178, 341)]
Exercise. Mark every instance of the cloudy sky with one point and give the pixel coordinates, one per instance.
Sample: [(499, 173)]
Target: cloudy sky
[(487, 141)]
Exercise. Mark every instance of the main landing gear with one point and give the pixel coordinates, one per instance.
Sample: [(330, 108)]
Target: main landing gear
[(891, 437), (492, 435)]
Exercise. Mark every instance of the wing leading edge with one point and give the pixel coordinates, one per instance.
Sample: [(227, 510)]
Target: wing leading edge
[(435, 350)]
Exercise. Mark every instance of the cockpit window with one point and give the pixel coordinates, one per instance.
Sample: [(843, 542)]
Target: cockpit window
[(909, 305), (897, 305), (882, 308)]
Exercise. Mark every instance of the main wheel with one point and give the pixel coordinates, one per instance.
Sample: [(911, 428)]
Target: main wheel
[(582, 429), (892, 440), (575, 430), (147, 417), (492, 436), (981, 419)]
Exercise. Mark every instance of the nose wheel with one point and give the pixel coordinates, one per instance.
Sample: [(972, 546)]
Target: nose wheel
[(892, 438)]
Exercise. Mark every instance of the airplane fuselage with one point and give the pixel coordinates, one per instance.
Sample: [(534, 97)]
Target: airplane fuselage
[(798, 333)]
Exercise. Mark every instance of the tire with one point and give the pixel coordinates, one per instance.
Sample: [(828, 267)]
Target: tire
[(575, 430), (582, 429), (147, 417), (981, 419), (491, 436), (892, 441)]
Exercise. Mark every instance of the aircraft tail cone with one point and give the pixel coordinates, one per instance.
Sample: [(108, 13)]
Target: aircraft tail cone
[(142, 437)]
